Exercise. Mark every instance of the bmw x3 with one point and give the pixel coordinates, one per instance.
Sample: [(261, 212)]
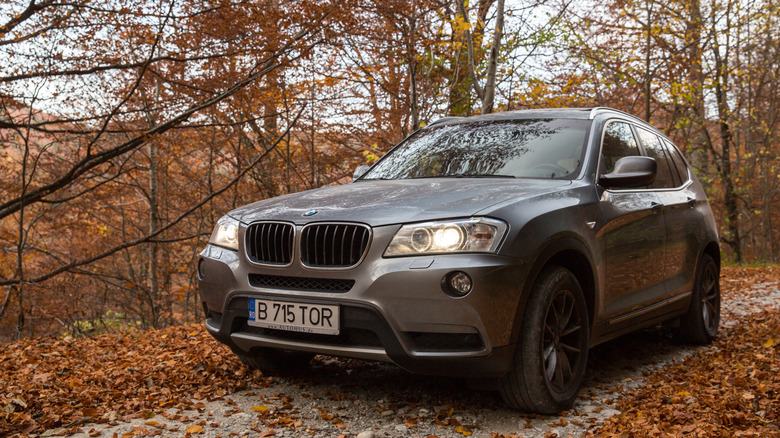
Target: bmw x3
[(498, 247)]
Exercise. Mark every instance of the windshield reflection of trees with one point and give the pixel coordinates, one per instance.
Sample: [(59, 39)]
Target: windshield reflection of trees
[(513, 148)]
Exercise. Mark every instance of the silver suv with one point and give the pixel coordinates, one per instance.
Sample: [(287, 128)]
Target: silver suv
[(498, 247)]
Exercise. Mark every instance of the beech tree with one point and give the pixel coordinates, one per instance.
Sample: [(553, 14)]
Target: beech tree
[(89, 106)]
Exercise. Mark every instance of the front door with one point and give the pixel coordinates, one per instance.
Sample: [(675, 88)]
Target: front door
[(633, 234)]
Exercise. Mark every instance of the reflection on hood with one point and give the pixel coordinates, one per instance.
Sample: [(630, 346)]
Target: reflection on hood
[(397, 201)]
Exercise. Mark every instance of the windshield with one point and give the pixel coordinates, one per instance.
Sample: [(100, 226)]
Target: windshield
[(517, 148)]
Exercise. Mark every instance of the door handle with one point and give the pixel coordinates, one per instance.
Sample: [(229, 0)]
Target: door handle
[(691, 202), (656, 207)]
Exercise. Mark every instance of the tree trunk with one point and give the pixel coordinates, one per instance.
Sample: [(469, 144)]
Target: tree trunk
[(700, 140), (733, 238), (486, 95), (648, 43), (154, 248), (412, 65), (490, 85)]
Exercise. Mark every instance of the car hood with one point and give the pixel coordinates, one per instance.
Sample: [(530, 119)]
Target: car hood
[(377, 202)]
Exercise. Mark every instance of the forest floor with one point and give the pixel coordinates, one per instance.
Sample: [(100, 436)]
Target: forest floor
[(181, 382)]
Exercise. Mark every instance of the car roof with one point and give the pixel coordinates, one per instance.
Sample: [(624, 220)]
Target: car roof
[(543, 113)]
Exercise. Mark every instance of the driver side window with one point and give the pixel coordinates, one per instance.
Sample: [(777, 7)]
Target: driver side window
[(618, 142)]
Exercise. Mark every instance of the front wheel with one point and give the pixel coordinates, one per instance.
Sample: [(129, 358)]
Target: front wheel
[(553, 349), (700, 324)]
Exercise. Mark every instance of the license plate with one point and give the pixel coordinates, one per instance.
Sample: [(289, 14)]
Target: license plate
[(296, 317)]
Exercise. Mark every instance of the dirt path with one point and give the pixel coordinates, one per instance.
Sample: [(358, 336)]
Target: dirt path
[(356, 398)]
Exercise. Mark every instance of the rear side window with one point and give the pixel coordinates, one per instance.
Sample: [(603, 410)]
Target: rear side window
[(618, 142), (665, 179), (677, 161)]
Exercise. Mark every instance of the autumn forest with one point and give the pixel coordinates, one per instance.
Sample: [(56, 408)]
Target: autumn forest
[(127, 128)]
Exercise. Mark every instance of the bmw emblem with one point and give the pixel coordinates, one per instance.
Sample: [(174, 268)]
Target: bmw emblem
[(310, 213)]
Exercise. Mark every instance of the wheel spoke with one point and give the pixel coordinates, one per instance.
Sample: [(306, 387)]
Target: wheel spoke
[(710, 315), (551, 364), (571, 348), (549, 329), (556, 316), (570, 330), (547, 351), (568, 308), (565, 368), (709, 281), (558, 378)]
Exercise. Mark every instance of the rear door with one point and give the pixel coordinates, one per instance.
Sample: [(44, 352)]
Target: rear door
[(683, 224), (676, 201)]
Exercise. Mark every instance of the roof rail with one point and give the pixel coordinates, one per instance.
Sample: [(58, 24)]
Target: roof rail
[(444, 119), (602, 109)]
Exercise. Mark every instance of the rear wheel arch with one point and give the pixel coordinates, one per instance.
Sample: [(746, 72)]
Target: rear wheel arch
[(713, 249)]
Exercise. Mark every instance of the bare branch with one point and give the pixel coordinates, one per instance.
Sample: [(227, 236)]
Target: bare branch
[(151, 236), (91, 161)]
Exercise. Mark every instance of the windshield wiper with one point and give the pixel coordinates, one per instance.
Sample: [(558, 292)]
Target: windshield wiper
[(464, 175), (478, 175)]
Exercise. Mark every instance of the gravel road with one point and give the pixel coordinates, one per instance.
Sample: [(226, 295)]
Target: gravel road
[(352, 398)]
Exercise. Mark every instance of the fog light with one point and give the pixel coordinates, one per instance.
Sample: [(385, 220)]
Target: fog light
[(457, 283)]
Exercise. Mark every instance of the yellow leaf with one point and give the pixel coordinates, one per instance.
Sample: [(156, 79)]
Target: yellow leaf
[(771, 342), (194, 429), (683, 393), (463, 431), (262, 409)]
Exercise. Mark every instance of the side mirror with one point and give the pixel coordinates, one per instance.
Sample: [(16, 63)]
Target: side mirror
[(359, 171), (630, 172)]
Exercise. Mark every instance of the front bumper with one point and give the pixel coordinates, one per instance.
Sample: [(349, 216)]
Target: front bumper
[(392, 309)]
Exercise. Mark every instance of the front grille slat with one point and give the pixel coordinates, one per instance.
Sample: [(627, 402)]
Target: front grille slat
[(329, 245), (263, 241), (301, 283), (352, 243), (315, 249), (333, 250), (270, 243), (288, 249), (248, 241), (277, 241)]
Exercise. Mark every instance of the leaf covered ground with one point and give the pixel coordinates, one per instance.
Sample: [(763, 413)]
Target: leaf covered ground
[(727, 390), (49, 383), (731, 388)]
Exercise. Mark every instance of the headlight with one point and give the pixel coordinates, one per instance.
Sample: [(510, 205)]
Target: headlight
[(225, 233), (445, 237)]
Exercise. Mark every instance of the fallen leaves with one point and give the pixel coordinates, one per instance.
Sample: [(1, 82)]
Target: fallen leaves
[(194, 429), (50, 383), (731, 388)]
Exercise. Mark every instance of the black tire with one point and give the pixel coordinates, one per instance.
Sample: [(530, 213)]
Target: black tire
[(274, 361), (552, 352), (700, 324)]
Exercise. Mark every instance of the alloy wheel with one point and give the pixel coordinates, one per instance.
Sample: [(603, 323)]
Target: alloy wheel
[(562, 341), (710, 297)]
